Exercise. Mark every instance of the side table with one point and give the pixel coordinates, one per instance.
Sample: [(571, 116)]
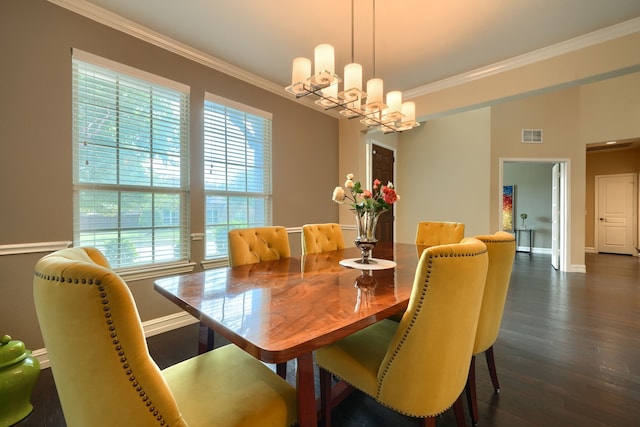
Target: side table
[(518, 234)]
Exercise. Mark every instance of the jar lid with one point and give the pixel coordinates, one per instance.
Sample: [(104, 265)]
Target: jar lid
[(11, 352)]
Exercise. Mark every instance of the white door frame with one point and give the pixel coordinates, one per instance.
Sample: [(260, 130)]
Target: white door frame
[(565, 206), (556, 183)]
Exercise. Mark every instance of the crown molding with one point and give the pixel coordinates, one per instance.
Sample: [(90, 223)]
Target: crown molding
[(600, 36), (117, 22)]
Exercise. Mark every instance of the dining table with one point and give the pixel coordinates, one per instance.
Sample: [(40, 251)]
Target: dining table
[(285, 309)]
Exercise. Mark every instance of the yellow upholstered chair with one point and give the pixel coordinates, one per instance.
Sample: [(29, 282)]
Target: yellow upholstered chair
[(321, 237), (432, 233), (104, 373), (501, 248), (252, 245), (417, 366)]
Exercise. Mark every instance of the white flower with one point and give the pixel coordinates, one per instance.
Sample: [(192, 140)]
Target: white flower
[(349, 176), (349, 183), (339, 195)]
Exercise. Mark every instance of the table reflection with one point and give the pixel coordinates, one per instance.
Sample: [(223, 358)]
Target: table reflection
[(365, 284)]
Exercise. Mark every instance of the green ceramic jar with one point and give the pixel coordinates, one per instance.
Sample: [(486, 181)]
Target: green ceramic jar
[(18, 374)]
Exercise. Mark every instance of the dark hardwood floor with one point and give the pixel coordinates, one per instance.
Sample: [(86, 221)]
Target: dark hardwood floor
[(568, 354)]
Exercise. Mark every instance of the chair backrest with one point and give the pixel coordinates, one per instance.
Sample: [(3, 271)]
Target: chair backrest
[(321, 237), (428, 358), (432, 233), (501, 248), (252, 245), (96, 346)]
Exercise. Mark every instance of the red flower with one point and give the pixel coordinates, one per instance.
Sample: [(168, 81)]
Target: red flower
[(389, 195)]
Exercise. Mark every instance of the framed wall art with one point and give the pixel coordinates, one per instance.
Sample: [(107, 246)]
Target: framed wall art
[(507, 207)]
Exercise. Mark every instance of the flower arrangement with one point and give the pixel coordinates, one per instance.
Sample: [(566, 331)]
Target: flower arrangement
[(377, 200), (523, 216)]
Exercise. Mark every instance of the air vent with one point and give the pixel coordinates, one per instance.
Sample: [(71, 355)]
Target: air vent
[(532, 136)]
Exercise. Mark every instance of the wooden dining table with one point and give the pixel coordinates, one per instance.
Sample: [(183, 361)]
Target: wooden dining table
[(285, 309)]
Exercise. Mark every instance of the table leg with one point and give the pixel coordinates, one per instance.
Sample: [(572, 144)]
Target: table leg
[(305, 391), (205, 339)]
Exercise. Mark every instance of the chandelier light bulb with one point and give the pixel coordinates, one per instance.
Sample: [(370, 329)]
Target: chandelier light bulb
[(374, 91), (408, 110), (353, 76), (324, 59), (394, 101), (301, 70)]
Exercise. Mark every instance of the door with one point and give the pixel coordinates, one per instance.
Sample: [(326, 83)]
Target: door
[(615, 213), (382, 168), (555, 216)]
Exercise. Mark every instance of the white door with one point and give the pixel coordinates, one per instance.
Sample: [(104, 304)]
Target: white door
[(555, 216), (615, 213)]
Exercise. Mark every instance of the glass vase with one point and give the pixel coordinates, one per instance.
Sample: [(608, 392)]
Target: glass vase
[(366, 233)]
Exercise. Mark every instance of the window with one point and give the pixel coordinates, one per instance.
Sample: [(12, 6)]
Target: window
[(130, 147), (237, 170)]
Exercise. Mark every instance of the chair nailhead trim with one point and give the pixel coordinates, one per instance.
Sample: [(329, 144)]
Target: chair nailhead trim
[(113, 334), (423, 293)]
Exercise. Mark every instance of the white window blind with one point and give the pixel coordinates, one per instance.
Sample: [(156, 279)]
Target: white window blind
[(237, 170), (130, 148)]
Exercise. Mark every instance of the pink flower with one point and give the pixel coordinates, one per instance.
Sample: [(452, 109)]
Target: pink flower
[(366, 194), (376, 184)]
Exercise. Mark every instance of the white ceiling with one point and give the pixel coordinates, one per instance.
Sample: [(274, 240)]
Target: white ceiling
[(417, 41)]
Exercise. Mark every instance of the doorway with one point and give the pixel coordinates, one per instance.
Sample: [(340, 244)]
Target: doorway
[(559, 210), (381, 165), (615, 205)]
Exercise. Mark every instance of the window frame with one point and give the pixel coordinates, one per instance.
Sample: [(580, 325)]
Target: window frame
[(234, 110), (164, 189)]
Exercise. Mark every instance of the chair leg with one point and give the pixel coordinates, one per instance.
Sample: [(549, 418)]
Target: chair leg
[(491, 363), (325, 397), (458, 410), (429, 422), (472, 399)]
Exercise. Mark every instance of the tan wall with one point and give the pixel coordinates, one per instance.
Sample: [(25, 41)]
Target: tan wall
[(568, 119), (36, 38), (557, 114), (567, 129), (610, 109), (443, 174)]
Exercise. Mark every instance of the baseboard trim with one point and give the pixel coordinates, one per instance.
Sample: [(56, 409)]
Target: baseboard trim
[(525, 249), (577, 268), (151, 327), (167, 323)]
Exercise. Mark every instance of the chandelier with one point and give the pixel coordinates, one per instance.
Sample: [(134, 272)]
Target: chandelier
[(388, 115)]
